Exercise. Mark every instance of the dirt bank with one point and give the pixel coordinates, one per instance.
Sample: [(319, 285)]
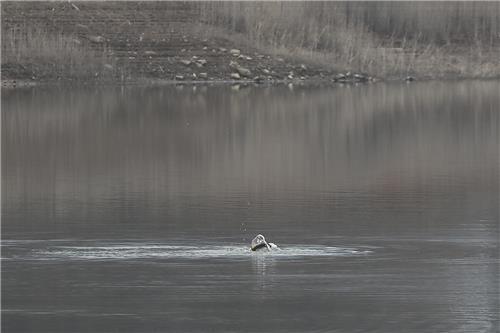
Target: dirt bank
[(132, 41)]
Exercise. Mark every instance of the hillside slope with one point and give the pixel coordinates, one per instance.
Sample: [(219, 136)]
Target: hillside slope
[(132, 40)]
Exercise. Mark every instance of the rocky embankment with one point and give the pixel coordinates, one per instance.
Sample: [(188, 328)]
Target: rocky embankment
[(156, 41)]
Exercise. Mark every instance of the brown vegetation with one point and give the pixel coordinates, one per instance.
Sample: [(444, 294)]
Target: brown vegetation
[(37, 52), (130, 40), (381, 38)]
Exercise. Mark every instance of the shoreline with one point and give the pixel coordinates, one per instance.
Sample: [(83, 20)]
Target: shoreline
[(169, 45), (15, 83)]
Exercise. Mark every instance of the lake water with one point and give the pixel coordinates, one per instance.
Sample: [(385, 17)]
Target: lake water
[(131, 209)]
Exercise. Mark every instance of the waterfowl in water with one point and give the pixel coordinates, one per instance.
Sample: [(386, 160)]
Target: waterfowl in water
[(259, 242)]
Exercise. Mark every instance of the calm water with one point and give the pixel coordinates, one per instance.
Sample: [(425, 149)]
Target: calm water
[(132, 209)]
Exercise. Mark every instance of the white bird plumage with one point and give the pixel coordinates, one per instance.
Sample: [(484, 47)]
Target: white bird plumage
[(259, 242)]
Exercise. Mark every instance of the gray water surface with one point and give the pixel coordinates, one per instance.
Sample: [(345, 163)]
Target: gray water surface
[(131, 209)]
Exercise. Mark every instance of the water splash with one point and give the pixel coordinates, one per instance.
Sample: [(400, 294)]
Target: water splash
[(123, 252)]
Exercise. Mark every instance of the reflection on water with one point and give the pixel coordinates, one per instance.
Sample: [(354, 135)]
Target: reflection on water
[(164, 142), (131, 208)]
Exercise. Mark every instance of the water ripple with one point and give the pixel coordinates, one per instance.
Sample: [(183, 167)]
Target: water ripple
[(116, 252)]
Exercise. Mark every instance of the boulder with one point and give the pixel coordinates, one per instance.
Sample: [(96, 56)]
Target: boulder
[(360, 77), (244, 71), (233, 64), (340, 77), (240, 69), (186, 62), (179, 77), (97, 39), (235, 76), (203, 75), (244, 57), (235, 52)]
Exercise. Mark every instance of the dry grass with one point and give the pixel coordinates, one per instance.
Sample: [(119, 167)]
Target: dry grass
[(50, 55), (339, 35)]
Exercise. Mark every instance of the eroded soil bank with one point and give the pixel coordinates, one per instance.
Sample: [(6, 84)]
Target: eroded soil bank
[(132, 42)]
